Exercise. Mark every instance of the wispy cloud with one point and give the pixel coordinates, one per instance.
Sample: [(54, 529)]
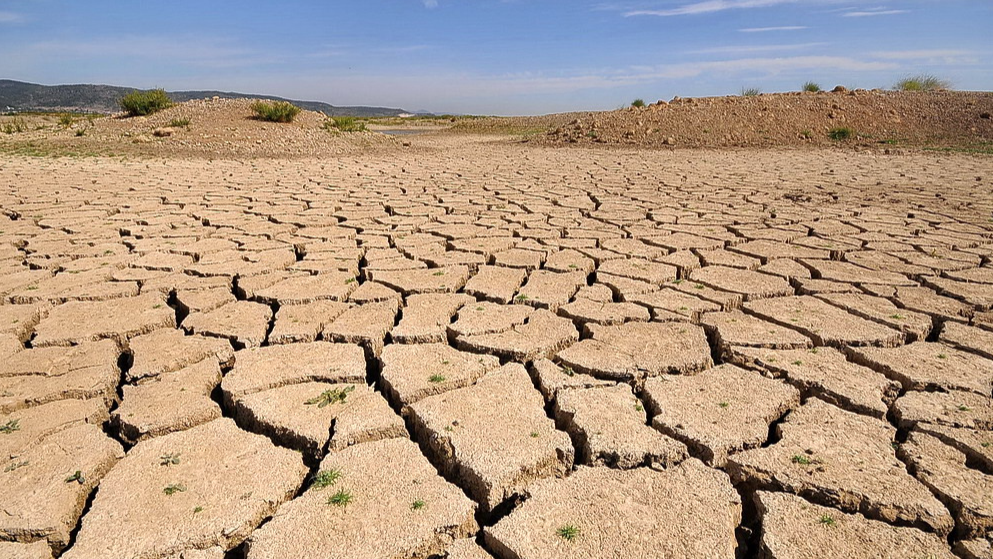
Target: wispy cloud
[(920, 54), (10, 17), (767, 29), (708, 6), (873, 12), (743, 49), (430, 4), (210, 53)]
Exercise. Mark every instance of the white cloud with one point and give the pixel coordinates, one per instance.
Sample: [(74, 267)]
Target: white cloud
[(743, 49), (873, 12), (767, 29), (10, 17), (430, 4), (920, 54), (709, 6)]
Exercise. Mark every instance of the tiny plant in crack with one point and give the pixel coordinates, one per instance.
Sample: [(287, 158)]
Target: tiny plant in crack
[(10, 426), (340, 499), (326, 478), (78, 477), (568, 532), (328, 397), (170, 459)]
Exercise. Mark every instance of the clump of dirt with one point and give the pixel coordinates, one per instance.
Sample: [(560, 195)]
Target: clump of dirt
[(841, 117), (222, 128)]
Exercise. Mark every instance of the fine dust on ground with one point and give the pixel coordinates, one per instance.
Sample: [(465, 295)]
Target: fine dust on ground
[(472, 347)]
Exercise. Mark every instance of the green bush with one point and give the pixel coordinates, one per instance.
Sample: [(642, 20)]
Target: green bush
[(638, 103), (923, 82), (141, 103), (66, 120), (812, 87), (344, 124), (841, 133), (276, 111), (750, 92), (179, 122)]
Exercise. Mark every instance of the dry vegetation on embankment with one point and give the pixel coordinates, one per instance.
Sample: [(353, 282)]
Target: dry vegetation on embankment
[(960, 120)]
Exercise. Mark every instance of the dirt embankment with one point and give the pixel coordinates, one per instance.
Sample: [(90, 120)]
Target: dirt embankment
[(914, 119), (221, 128)]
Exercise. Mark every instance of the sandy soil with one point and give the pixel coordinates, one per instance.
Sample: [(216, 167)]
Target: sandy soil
[(470, 346)]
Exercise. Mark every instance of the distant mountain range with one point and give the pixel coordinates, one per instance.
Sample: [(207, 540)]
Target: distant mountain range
[(23, 96)]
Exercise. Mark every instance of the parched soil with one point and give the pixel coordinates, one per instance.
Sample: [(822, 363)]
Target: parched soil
[(475, 347)]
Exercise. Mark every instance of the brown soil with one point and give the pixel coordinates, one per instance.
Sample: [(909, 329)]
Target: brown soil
[(887, 118)]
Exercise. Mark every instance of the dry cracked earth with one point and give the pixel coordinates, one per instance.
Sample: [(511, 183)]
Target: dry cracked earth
[(471, 349)]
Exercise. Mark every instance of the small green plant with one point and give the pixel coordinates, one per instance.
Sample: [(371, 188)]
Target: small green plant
[(964, 408), (276, 111), (724, 405), (841, 133), (522, 298), (11, 426), (801, 460), (340, 499), (750, 91), (436, 378), (197, 509), (811, 87), (179, 122), (942, 356), (143, 103), (81, 132), (418, 505), (535, 434), (174, 488), (806, 134), (638, 103), (339, 124), (568, 532), (66, 120), (326, 478), (15, 465), (639, 407), (78, 477), (569, 371), (827, 520), (922, 82), (328, 397), (170, 459)]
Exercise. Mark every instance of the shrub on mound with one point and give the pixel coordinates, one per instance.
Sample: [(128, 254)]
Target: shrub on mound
[(923, 82), (344, 124), (276, 111), (141, 103)]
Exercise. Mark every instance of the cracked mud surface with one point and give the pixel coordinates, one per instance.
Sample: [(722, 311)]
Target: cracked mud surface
[(472, 349)]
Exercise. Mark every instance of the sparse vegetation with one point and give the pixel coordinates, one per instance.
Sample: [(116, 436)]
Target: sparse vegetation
[(567, 532), (418, 505), (841, 133), (340, 499), (326, 478), (143, 103), (14, 126), (522, 298), (81, 132), (66, 120), (922, 82), (812, 87), (179, 123), (638, 103), (78, 477), (328, 397), (436, 378), (724, 405), (11, 426), (750, 91), (344, 124), (275, 111), (174, 488), (827, 520)]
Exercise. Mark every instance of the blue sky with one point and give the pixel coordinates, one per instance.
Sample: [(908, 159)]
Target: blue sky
[(496, 56)]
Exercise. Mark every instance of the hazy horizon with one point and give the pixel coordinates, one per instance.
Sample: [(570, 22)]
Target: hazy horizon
[(497, 56)]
